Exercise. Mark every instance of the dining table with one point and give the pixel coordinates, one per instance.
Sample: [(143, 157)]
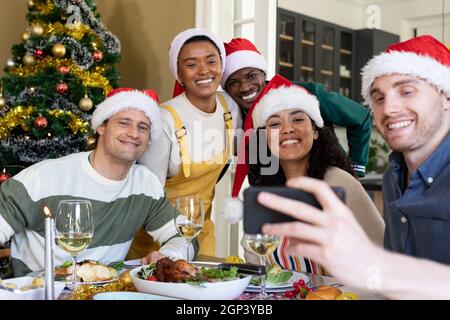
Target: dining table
[(314, 282)]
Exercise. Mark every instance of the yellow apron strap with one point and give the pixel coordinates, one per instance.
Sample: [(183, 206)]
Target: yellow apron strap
[(180, 133), (228, 124)]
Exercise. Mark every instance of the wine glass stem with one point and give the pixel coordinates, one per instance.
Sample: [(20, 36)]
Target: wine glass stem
[(263, 292), (74, 264), (187, 252)]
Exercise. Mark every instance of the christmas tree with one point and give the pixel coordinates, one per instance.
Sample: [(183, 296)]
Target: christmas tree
[(63, 67)]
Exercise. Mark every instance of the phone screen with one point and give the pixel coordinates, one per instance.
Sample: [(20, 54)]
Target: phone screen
[(255, 214)]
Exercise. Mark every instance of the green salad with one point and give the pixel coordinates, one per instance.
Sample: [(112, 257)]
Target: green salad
[(204, 275), (275, 277)]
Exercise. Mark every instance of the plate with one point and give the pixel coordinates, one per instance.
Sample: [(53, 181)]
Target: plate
[(68, 282), (223, 290), (128, 295), (32, 294), (296, 276)]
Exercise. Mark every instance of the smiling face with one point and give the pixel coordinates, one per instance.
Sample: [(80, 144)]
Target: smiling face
[(200, 69), (245, 85), (410, 114), (290, 135), (125, 136)]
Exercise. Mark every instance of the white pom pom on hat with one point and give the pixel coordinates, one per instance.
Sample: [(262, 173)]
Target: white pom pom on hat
[(233, 210)]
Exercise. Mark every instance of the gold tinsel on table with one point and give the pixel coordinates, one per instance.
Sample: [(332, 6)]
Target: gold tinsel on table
[(93, 78), (86, 292), (20, 115)]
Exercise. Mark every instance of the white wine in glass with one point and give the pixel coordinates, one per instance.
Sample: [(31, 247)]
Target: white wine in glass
[(262, 245), (74, 228), (189, 218)]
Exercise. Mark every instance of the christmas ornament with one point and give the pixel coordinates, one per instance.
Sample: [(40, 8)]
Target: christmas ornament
[(10, 64), (31, 4), (63, 69), (40, 121), (4, 176), (2, 102), (2, 99), (37, 30), (97, 55), (91, 141), (29, 60), (86, 104), (25, 36), (32, 90), (59, 50), (38, 53), (62, 88)]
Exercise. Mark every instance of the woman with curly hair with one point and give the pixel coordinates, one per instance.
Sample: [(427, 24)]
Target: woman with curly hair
[(289, 124)]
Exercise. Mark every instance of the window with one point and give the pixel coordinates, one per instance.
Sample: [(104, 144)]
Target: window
[(244, 19)]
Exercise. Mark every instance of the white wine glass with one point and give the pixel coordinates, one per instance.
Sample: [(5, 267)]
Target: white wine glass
[(189, 218), (74, 229), (263, 245)]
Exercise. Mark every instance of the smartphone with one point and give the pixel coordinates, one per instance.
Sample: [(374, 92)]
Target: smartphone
[(255, 214)]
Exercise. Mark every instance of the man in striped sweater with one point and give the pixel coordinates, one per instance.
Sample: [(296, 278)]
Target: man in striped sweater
[(124, 196)]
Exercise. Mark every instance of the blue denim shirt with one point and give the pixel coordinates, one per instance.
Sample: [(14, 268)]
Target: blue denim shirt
[(417, 215)]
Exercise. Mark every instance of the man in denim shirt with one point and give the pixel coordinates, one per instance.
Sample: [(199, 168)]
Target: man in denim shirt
[(408, 89)]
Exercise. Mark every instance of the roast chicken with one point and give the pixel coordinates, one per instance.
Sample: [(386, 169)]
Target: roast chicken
[(168, 270)]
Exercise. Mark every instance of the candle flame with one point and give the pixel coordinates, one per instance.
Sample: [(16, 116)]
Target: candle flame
[(47, 212)]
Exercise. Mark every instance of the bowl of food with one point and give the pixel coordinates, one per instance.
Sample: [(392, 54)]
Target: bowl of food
[(86, 272), (27, 288), (180, 279)]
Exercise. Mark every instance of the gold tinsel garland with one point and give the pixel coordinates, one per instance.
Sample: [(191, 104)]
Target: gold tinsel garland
[(76, 33), (86, 292), (20, 115), (76, 125), (45, 8), (13, 118), (93, 78)]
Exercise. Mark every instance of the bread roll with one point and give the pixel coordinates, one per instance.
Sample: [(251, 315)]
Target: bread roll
[(323, 293)]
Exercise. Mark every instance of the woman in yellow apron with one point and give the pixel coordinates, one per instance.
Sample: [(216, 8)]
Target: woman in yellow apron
[(198, 128)]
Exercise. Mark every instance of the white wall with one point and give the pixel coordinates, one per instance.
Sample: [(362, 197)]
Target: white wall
[(426, 15), (334, 11)]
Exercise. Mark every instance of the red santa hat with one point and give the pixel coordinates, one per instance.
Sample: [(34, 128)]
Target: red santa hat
[(178, 43), (128, 98), (279, 94), (423, 57), (242, 53)]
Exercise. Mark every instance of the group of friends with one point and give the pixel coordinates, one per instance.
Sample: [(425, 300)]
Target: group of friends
[(149, 153)]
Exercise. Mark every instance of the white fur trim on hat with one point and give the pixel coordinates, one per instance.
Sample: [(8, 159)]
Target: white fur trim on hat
[(181, 38), (285, 98), (407, 63), (243, 59), (233, 210), (129, 100)]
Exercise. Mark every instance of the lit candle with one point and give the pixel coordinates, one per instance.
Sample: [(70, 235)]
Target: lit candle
[(49, 259)]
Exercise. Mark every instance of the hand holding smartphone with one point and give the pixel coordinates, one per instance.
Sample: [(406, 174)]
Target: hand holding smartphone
[(255, 214)]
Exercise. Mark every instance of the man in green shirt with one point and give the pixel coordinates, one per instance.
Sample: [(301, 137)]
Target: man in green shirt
[(245, 78)]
